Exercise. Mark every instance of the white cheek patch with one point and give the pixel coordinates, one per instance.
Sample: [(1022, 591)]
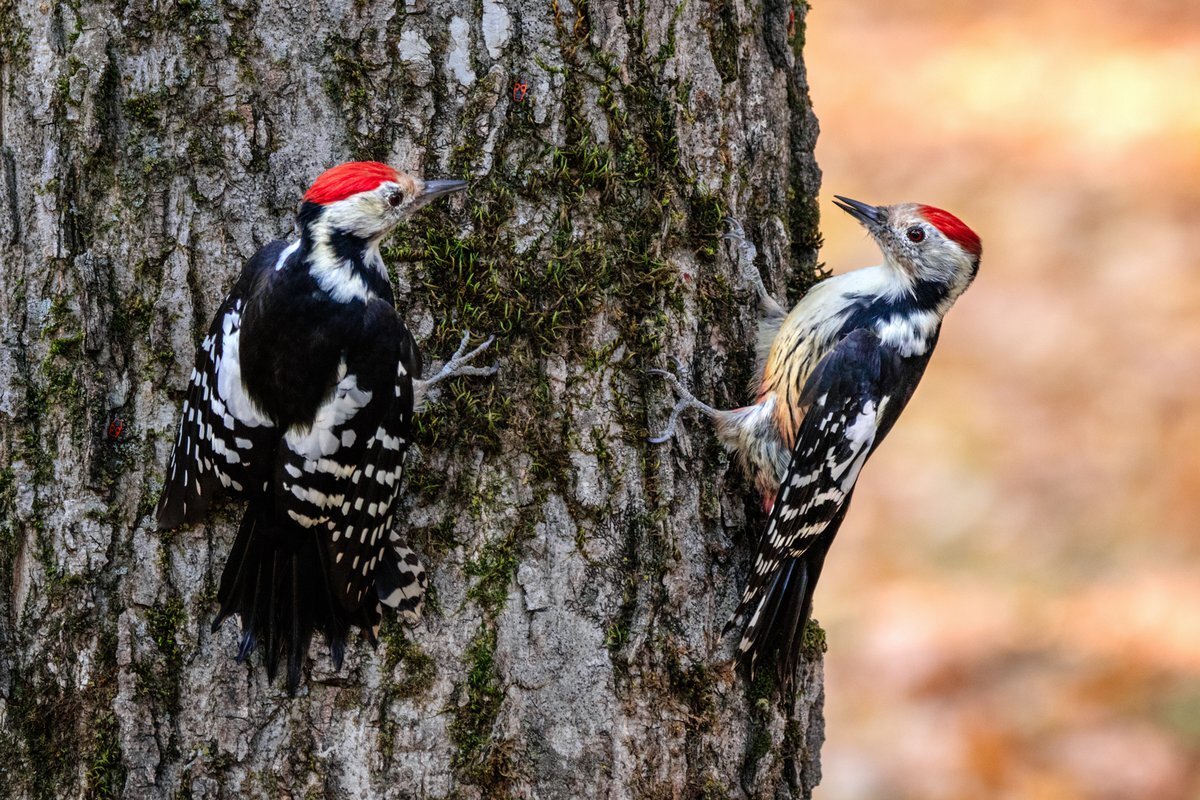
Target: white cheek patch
[(361, 214)]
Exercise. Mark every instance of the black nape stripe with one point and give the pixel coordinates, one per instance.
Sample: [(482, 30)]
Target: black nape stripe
[(306, 216)]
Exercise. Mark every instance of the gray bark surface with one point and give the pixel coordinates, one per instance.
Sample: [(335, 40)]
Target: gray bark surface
[(580, 577)]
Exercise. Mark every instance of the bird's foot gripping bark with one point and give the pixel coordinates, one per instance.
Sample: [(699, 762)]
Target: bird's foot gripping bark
[(746, 253), (686, 399), (457, 365)]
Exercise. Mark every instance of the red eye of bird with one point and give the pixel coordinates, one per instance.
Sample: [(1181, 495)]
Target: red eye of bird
[(916, 234)]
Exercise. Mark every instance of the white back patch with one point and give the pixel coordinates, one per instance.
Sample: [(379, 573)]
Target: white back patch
[(321, 438), (229, 374), (909, 334), (286, 254)]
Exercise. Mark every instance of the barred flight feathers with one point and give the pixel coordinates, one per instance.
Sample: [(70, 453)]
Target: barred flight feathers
[(342, 475), (401, 583), (852, 401), (223, 437)]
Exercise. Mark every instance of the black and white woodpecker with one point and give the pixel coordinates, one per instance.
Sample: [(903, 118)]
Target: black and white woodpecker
[(301, 404), (836, 372)]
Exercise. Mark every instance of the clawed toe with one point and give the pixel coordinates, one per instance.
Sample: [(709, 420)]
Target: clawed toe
[(746, 256), (458, 365), (686, 399), (734, 229)]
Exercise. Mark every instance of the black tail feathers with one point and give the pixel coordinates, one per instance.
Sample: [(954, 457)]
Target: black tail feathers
[(777, 617), (276, 582)]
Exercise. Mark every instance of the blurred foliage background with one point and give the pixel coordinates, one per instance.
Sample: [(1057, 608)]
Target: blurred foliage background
[(1013, 605)]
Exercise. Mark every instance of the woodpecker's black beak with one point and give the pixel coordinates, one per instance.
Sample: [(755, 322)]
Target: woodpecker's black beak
[(435, 189), (870, 216)]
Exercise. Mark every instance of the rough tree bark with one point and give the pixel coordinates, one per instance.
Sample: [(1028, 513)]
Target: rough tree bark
[(580, 577)]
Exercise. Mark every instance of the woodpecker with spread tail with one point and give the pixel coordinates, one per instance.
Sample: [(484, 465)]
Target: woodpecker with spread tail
[(836, 373), (301, 403)]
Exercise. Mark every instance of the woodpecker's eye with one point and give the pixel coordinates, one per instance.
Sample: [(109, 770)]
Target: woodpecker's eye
[(915, 234), (395, 199)]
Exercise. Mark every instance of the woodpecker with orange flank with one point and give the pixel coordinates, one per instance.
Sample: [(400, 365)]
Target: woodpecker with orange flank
[(301, 403), (836, 372)]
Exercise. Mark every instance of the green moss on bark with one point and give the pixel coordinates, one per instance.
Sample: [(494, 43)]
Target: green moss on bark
[(480, 759), (14, 42), (159, 675)]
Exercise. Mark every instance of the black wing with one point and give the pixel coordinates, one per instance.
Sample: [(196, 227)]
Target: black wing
[(222, 435), (853, 397), (342, 475)]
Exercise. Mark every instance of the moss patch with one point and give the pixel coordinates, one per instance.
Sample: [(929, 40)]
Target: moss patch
[(760, 694), (41, 735), (14, 39), (399, 650), (494, 568), (812, 641), (479, 759), (159, 676), (10, 532), (106, 770)]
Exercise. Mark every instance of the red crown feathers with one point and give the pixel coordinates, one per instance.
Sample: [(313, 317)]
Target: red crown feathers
[(338, 183), (953, 229)]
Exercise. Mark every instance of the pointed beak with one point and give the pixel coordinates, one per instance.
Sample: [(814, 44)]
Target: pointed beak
[(870, 216), (434, 189)]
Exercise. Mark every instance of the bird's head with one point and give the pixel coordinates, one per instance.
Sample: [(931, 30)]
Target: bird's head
[(365, 199), (926, 245)]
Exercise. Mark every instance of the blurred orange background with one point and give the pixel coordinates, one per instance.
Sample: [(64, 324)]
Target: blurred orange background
[(1013, 605)]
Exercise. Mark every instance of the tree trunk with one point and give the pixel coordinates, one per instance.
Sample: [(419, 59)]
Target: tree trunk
[(580, 577)]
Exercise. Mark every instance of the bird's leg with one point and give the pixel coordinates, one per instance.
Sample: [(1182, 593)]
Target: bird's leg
[(686, 400), (457, 365), (746, 253), (750, 433)]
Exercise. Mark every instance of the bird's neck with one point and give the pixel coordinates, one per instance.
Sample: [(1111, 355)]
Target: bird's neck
[(902, 289), (345, 266), (933, 287)]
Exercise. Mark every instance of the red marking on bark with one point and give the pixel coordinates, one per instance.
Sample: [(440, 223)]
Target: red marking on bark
[(347, 179)]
